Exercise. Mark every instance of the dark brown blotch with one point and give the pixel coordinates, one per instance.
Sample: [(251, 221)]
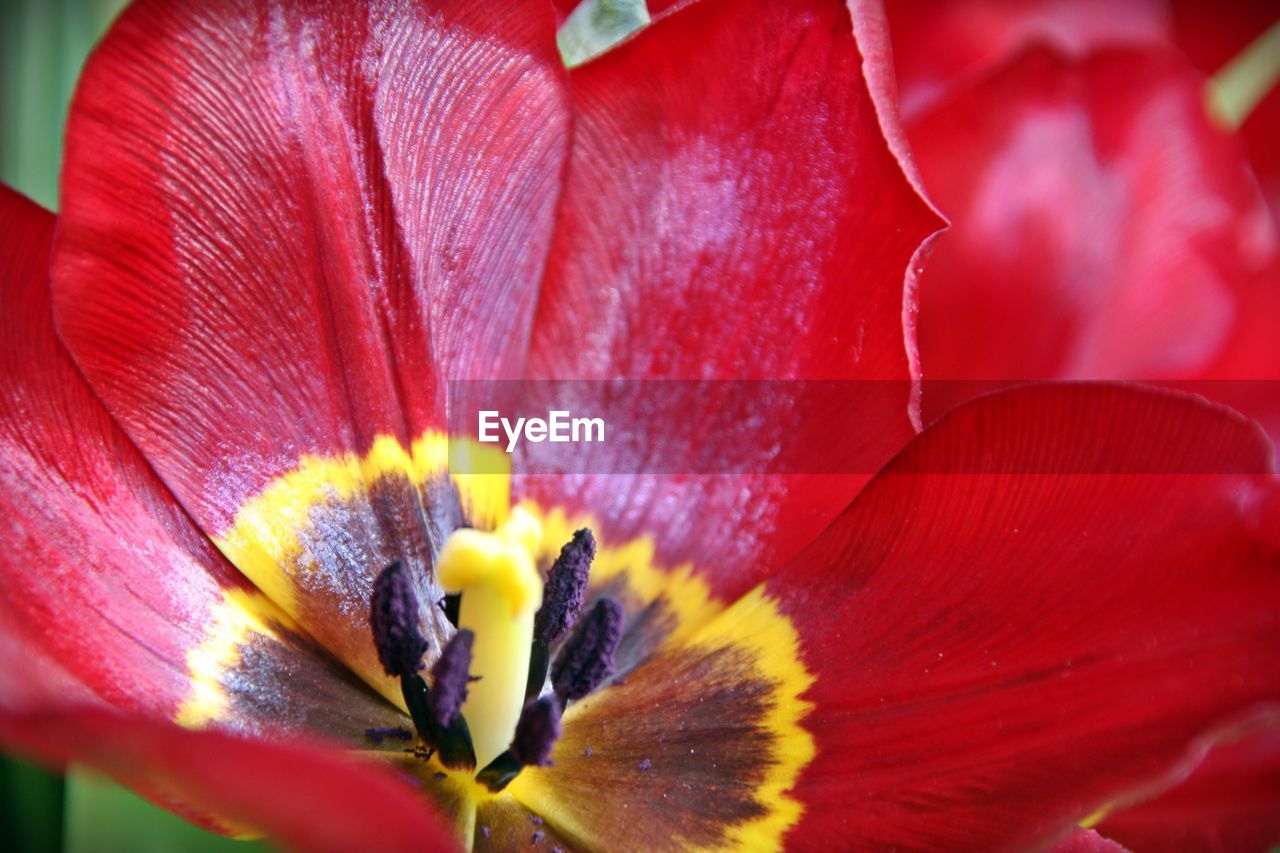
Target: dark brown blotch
[(294, 687), (679, 750), (347, 542)]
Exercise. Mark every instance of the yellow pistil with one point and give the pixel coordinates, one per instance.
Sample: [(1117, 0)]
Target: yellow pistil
[(501, 591)]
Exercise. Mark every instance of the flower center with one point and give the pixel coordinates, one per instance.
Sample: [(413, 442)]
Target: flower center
[(484, 707)]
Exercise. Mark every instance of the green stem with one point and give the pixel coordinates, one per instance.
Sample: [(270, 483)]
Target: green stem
[(1238, 87)]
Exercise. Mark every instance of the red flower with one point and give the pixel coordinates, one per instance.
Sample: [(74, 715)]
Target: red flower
[(284, 228), (1104, 224)]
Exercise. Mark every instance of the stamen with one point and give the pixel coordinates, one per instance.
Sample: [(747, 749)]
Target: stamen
[(566, 583), (452, 741), (535, 737), (393, 614), (586, 659), (394, 618), (537, 733), (449, 677), (561, 602)]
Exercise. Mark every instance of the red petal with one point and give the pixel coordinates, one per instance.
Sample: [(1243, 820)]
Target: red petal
[(110, 590), (732, 211), (283, 227), (871, 29), (1103, 229), (32, 677), (1001, 652), (31, 674), (303, 796), (1230, 802), (941, 45), (731, 217), (85, 519)]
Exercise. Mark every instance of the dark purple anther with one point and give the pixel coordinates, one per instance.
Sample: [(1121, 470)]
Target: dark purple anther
[(566, 583), (449, 676), (586, 659), (537, 732), (394, 618)]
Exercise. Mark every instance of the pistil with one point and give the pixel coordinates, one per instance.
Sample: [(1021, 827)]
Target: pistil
[(501, 591)]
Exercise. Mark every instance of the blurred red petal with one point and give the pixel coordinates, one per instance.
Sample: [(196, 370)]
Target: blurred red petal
[(732, 211), (303, 796), (1246, 373), (1230, 802), (940, 45), (1102, 229), (1044, 604)]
